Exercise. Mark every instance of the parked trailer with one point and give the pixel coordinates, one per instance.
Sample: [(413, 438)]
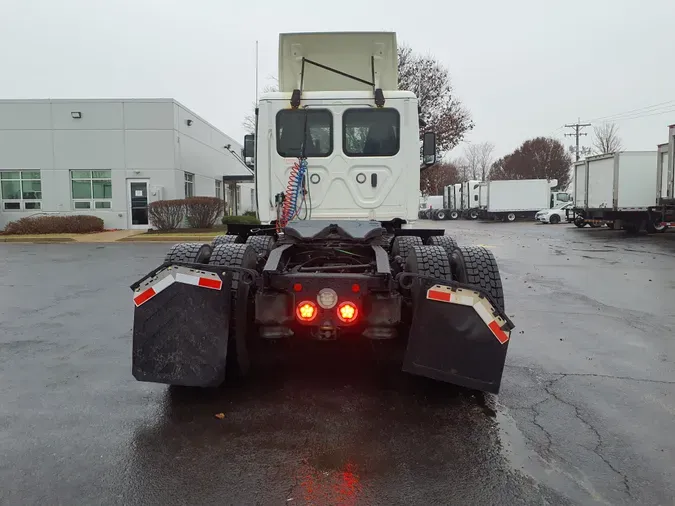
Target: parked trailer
[(617, 189), (663, 213), (508, 200), (451, 203), (336, 263)]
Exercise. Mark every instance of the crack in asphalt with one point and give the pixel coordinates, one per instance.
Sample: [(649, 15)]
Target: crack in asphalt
[(595, 450), (591, 375)]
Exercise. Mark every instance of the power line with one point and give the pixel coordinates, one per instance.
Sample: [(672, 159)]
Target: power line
[(577, 133), (631, 112)]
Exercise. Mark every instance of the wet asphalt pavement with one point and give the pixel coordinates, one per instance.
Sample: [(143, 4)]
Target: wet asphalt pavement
[(586, 414)]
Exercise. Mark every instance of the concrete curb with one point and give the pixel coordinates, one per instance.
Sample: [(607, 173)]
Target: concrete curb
[(37, 240), (172, 238)]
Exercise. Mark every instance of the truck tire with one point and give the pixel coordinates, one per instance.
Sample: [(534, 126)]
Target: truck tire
[(454, 215), (225, 239), (440, 215), (234, 255), (473, 214), (653, 227), (579, 222), (189, 252), (429, 261), (475, 265), (444, 241), (403, 244), (510, 217), (262, 244)]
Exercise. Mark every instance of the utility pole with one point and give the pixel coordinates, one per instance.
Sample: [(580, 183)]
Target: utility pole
[(577, 133)]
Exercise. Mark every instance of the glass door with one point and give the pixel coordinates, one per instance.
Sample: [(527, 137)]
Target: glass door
[(138, 203)]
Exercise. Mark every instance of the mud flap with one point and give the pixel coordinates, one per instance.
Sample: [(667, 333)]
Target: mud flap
[(457, 335), (181, 326)]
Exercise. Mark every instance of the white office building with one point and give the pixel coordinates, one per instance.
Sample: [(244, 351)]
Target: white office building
[(111, 158)]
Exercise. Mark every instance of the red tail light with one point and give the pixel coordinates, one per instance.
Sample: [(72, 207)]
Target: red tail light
[(306, 311), (347, 312)]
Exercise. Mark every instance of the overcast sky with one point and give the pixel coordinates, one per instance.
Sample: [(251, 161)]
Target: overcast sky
[(522, 67)]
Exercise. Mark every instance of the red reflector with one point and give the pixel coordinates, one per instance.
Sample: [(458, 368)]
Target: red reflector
[(216, 284), (501, 336), (438, 295), (144, 296), (356, 288), (297, 287), (306, 311), (347, 312)]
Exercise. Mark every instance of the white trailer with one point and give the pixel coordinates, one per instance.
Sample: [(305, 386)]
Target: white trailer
[(508, 200), (663, 214), (619, 190)]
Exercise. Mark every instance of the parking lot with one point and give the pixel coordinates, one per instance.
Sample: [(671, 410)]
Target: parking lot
[(586, 414)]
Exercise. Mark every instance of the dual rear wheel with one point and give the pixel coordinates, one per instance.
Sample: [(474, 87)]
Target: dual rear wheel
[(443, 259)]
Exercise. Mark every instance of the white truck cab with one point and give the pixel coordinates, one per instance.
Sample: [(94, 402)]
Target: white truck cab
[(339, 108)]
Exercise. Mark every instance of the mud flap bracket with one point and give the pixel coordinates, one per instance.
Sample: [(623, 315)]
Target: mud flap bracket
[(458, 334)]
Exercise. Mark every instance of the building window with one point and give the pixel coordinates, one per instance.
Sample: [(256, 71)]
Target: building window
[(370, 132), (219, 189), (21, 189), (91, 189), (189, 185)]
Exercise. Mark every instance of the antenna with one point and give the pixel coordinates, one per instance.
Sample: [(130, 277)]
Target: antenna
[(256, 73)]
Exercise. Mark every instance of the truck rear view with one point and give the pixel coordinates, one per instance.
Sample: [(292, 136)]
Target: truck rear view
[(337, 164)]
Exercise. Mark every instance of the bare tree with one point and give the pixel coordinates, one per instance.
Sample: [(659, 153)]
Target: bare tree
[(478, 159), (442, 112), (249, 119), (606, 139), (434, 179)]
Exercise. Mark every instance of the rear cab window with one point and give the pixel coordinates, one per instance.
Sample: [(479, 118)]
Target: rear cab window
[(293, 123), (371, 132)]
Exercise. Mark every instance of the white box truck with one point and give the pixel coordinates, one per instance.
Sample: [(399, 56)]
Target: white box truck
[(619, 189), (510, 199), (663, 213)]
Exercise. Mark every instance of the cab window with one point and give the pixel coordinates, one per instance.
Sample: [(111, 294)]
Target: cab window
[(293, 123), (370, 132)]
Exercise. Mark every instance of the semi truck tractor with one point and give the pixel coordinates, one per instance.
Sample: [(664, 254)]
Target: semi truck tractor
[(429, 204), (336, 155), (451, 208)]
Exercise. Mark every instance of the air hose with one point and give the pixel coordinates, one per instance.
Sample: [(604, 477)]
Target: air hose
[(290, 207)]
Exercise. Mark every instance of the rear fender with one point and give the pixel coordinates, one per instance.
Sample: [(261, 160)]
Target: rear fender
[(182, 322), (458, 333)]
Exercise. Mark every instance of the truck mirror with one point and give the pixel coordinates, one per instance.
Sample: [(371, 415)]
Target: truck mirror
[(249, 147), (429, 148)]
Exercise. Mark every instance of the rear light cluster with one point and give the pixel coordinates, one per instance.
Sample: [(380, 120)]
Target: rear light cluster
[(307, 310)]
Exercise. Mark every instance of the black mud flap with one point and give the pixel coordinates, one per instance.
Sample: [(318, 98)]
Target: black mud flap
[(181, 325), (457, 335)]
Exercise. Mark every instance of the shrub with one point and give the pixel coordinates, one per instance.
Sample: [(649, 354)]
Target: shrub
[(76, 224), (250, 213), (246, 219), (203, 212), (167, 214)]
